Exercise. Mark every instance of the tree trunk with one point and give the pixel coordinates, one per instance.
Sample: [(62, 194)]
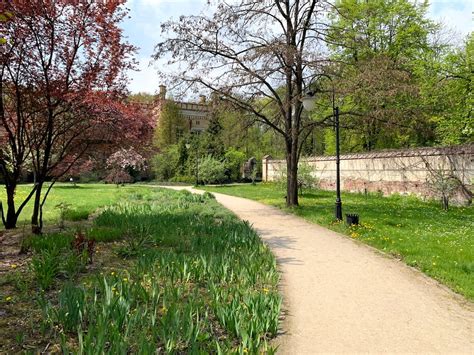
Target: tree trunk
[(445, 202), (292, 176), (11, 218), (36, 218)]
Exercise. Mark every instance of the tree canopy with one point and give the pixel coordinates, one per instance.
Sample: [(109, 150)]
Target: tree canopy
[(63, 79)]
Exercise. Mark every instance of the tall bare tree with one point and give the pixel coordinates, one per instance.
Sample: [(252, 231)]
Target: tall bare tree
[(260, 55)]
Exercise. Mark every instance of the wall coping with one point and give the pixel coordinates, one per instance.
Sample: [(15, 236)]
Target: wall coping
[(466, 149)]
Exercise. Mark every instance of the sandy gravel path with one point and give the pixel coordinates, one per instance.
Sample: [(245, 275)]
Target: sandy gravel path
[(341, 296)]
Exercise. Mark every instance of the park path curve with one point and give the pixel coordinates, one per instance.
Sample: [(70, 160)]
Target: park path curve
[(341, 296)]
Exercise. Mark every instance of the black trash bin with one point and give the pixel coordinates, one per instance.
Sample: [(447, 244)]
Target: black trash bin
[(352, 218)]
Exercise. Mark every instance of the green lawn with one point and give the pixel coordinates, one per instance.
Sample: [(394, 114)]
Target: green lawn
[(82, 199), (439, 243), (171, 272)]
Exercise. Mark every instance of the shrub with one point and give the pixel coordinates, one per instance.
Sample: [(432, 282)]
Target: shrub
[(233, 163), (184, 178), (443, 185), (165, 163), (306, 179), (211, 170), (118, 177), (63, 209)]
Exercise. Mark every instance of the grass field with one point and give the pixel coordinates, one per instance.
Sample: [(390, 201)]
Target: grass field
[(439, 243), (171, 272), (80, 200)]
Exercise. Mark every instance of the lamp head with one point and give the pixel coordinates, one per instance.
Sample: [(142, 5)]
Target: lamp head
[(309, 103)]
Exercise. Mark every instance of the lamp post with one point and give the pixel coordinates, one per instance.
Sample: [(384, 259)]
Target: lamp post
[(309, 104), (338, 166)]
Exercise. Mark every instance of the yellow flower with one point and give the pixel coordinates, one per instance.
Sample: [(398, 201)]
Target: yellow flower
[(125, 279), (266, 290), (245, 350), (354, 235), (164, 309), (112, 273), (13, 266), (8, 299)]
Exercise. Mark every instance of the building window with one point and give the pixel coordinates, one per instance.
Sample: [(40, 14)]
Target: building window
[(198, 123)]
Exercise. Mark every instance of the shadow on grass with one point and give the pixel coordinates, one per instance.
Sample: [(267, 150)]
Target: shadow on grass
[(72, 187)]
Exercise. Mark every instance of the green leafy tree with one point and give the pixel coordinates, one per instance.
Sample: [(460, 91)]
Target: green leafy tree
[(399, 29), (165, 164), (450, 92), (183, 156), (211, 170), (212, 142), (385, 43), (142, 97), (171, 126)]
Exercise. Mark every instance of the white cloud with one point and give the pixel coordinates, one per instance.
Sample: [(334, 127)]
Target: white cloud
[(457, 20), (146, 79), (457, 15)]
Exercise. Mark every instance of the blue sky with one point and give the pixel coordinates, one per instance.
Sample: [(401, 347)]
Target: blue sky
[(143, 28)]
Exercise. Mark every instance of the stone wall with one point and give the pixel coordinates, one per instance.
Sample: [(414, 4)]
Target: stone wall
[(391, 171)]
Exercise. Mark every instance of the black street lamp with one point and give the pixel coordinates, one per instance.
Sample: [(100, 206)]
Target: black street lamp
[(338, 166), (309, 104)]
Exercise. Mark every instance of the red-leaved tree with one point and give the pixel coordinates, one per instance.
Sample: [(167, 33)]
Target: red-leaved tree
[(62, 83)]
